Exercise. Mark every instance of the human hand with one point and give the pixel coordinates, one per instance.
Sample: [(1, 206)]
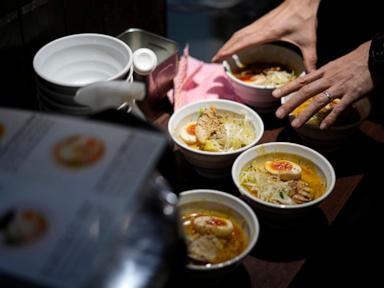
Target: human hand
[(347, 78), (293, 21)]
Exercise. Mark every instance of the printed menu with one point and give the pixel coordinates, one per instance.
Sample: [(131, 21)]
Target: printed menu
[(66, 189)]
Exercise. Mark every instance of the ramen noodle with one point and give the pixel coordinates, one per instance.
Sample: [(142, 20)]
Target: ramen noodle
[(78, 151), (283, 178), (265, 74), (212, 237), (218, 131)]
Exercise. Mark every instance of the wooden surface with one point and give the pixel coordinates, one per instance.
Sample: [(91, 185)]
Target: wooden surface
[(285, 245)]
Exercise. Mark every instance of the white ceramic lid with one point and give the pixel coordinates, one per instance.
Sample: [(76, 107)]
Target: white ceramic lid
[(144, 61)]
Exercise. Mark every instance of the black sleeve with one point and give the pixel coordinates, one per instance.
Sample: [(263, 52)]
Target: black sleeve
[(376, 60)]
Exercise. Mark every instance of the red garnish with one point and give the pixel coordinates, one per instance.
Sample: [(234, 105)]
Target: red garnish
[(281, 165), (216, 222), (245, 77)]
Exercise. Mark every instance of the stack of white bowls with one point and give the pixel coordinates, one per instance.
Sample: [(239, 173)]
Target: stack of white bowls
[(69, 63)]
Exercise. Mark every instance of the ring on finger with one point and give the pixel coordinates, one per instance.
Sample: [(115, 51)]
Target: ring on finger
[(328, 95)]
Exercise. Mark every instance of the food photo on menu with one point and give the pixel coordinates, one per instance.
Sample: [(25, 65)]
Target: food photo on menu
[(78, 151), (21, 227)]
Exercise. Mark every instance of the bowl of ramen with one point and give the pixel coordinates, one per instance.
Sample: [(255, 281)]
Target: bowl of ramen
[(219, 229), (256, 71), (284, 178), (212, 133), (343, 130)]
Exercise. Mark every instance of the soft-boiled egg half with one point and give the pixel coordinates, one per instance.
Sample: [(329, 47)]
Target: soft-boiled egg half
[(213, 225), (187, 133), (285, 169)]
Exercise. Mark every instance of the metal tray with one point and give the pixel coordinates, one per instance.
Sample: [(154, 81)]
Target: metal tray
[(160, 80)]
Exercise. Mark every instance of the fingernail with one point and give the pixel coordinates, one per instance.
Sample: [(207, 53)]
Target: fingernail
[(323, 126), (279, 113), (295, 123), (276, 92)]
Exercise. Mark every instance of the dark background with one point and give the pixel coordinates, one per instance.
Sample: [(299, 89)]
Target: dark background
[(27, 25)]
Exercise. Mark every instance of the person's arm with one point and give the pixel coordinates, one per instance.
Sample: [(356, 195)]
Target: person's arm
[(293, 21), (347, 78)]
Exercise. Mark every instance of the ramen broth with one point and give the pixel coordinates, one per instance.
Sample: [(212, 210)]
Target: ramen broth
[(271, 188), (265, 74), (224, 246)]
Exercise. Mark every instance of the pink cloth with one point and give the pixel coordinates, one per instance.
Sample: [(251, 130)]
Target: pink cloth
[(197, 80)]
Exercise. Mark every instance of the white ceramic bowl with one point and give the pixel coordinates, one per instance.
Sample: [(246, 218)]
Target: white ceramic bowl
[(322, 166), (43, 106), (260, 96), (59, 93), (62, 107), (332, 139), (65, 99), (232, 206), (80, 59), (211, 164)]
